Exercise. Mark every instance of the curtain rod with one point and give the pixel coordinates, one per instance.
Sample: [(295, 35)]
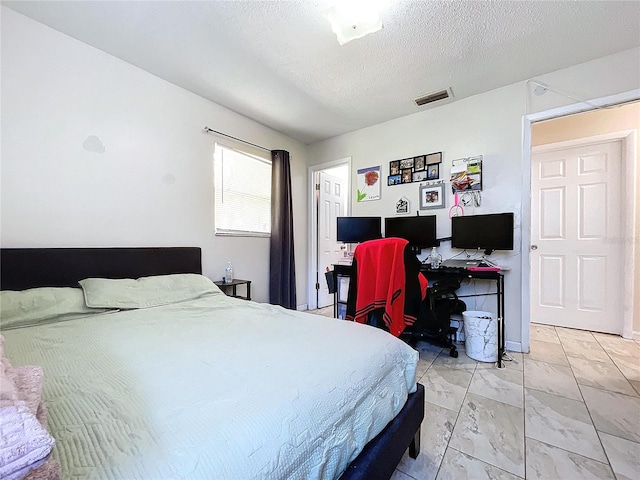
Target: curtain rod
[(209, 130)]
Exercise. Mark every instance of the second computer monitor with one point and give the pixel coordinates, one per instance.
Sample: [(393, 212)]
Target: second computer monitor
[(419, 231), (485, 232), (358, 229)]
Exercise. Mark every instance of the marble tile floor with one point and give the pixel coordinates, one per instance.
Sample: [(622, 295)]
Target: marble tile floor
[(568, 410)]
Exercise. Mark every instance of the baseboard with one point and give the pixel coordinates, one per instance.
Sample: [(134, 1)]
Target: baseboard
[(636, 335), (513, 346), (302, 307)]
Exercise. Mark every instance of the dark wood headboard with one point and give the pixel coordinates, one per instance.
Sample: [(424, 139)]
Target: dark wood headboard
[(22, 268)]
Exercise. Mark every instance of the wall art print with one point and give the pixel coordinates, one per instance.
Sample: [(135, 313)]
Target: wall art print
[(368, 181), (415, 169), (402, 206)]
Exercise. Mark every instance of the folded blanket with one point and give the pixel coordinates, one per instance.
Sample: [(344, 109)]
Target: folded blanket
[(24, 443)]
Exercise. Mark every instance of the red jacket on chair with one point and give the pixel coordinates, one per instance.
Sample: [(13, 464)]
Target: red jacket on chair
[(381, 280)]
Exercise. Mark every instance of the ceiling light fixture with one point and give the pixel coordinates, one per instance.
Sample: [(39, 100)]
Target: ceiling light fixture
[(351, 19)]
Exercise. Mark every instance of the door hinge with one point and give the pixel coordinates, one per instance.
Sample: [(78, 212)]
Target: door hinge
[(318, 186), (317, 286)]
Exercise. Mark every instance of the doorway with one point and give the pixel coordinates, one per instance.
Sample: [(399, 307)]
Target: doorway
[(329, 187), (572, 124), (576, 218)]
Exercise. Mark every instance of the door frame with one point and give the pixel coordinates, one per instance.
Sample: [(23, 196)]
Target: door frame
[(312, 230), (629, 146)]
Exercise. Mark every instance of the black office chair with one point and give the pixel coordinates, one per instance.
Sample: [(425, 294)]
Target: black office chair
[(385, 285), (424, 315), (434, 322)]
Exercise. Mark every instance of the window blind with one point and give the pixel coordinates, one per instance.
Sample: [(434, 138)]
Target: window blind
[(242, 184)]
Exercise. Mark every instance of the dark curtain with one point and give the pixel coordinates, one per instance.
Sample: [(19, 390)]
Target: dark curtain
[(282, 280)]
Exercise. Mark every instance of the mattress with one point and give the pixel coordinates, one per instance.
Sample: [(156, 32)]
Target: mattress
[(215, 388)]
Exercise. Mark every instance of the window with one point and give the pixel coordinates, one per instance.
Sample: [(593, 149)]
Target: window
[(242, 193)]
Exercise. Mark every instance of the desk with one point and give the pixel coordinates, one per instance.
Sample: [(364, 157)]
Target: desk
[(461, 274)]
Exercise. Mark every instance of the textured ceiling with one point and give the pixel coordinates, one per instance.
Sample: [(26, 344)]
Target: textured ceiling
[(278, 62)]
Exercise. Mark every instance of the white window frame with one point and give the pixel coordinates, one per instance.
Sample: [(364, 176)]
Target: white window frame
[(219, 194)]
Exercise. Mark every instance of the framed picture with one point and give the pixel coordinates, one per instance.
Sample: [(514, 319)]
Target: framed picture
[(394, 168), (432, 196), (433, 158), (418, 163), (393, 180), (406, 163), (433, 171), (406, 175), (420, 176), (368, 184)]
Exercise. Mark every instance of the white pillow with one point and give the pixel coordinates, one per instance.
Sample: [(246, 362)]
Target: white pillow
[(145, 291), (35, 305)]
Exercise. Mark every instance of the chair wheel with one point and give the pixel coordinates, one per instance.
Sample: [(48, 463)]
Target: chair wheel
[(453, 353)]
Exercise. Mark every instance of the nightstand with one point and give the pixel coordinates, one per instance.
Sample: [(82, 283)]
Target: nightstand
[(230, 289)]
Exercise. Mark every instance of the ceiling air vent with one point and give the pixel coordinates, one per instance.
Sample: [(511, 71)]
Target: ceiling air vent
[(434, 97)]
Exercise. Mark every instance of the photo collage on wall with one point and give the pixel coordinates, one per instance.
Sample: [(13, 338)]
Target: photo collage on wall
[(415, 169)]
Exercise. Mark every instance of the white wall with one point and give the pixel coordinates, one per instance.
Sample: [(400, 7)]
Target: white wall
[(490, 125), (153, 185)]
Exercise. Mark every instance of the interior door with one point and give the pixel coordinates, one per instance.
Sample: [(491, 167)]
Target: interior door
[(576, 228), (331, 204)]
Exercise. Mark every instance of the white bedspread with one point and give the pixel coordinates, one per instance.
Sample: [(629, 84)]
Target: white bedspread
[(214, 388)]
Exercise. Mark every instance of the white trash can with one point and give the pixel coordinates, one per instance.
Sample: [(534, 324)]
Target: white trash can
[(481, 336)]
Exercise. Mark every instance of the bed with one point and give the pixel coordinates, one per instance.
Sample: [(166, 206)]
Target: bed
[(212, 386)]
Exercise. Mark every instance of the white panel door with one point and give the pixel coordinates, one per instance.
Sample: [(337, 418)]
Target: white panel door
[(331, 204), (576, 227)]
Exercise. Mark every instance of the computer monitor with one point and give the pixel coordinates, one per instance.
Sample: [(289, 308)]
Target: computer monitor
[(485, 232), (419, 231), (359, 229)]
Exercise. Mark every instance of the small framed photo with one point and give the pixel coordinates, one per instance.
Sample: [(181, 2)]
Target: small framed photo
[(394, 167), (433, 158), (393, 180), (420, 176), (406, 163), (432, 197), (406, 175), (418, 163), (433, 171)]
